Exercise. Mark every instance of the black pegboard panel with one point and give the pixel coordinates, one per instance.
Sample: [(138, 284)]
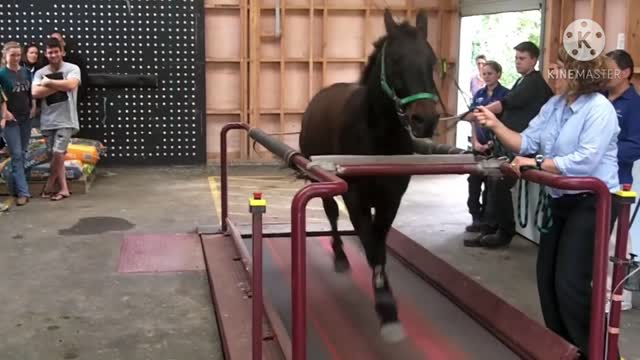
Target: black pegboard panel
[(164, 125)]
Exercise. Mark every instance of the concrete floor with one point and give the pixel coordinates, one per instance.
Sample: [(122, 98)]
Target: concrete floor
[(64, 299), (61, 294)]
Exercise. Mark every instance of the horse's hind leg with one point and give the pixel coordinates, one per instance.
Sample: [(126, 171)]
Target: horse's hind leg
[(340, 261)]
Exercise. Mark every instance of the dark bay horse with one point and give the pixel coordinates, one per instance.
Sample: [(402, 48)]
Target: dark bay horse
[(395, 98)]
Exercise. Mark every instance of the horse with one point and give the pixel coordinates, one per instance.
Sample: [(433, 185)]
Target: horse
[(393, 101)]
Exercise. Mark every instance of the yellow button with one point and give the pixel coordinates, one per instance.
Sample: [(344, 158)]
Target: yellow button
[(254, 202), (627, 194)]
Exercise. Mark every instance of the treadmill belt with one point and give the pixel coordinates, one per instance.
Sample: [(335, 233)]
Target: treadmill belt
[(341, 319)]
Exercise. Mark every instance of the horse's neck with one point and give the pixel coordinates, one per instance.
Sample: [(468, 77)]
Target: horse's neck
[(381, 110), (387, 130)]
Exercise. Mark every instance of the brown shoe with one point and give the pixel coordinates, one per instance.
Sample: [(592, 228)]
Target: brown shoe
[(22, 200)]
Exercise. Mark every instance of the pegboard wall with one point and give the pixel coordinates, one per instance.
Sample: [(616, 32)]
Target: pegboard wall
[(163, 125)]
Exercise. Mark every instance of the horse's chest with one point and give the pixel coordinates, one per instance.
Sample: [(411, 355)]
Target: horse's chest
[(363, 140), (379, 188)]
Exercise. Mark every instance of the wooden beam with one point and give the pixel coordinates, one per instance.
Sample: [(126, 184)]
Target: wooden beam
[(244, 64), (632, 37), (254, 68), (552, 34), (409, 11), (310, 44), (597, 11), (325, 37), (283, 55), (567, 14), (451, 90), (365, 34), (442, 49)]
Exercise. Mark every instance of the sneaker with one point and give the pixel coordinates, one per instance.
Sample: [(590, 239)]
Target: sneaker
[(490, 241), (479, 226), (22, 200)]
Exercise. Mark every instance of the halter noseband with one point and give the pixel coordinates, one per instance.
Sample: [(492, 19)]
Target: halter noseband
[(401, 102)]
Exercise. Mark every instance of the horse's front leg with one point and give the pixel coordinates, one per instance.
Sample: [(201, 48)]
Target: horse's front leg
[(385, 212)]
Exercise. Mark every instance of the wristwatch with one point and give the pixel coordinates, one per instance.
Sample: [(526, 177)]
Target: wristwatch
[(539, 160)]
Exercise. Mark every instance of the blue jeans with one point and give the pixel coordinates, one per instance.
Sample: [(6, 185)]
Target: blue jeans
[(17, 134)]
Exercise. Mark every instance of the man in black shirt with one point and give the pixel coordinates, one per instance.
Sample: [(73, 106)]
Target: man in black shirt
[(518, 108)]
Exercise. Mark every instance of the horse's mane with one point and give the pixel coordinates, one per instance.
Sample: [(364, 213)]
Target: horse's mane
[(403, 29)]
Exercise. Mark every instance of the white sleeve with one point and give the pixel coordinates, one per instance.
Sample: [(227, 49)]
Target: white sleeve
[(75, 73)]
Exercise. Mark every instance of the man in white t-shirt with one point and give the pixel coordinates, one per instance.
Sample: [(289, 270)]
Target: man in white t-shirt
[(57, 85)]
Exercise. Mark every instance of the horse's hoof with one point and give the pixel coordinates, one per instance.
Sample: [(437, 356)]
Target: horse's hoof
[(341, 265), (392, 332)]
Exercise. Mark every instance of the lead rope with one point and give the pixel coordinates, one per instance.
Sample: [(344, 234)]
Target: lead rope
[(545, 223), (543, 219), (525, 222)]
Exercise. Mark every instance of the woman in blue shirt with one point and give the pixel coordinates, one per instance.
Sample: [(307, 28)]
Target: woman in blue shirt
[(17, 111), (575, 134), (481, 142)]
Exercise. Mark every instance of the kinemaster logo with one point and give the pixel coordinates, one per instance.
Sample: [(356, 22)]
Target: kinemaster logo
[(584, 39)]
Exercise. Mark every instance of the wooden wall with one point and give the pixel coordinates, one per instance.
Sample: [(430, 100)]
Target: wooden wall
[(615, 16), (257, 76)]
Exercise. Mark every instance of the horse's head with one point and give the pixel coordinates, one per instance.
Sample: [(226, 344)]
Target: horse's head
[(407, 74)]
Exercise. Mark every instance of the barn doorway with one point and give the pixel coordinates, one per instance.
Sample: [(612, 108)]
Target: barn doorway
[(493, 35)]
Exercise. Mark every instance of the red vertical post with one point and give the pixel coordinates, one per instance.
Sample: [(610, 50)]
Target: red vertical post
[(257, 207), (620, 262), (330, 185), (224, 187), (299, 273), (600, 256), (223, 178)]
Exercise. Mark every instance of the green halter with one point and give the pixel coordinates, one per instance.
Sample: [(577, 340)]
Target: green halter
[(400, 102)]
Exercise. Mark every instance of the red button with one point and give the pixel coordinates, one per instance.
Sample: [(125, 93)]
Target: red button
[(257, 195), (626, 187)]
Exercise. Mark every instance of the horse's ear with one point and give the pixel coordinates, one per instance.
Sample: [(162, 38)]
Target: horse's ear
[(389, 23), (422, 22)]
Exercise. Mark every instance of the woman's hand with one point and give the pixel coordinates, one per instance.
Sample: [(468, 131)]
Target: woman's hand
[(34, 112), (484, 117), (520, 161), (481, 148)]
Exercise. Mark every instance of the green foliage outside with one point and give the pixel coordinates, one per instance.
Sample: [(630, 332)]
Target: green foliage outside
[(496, 43)]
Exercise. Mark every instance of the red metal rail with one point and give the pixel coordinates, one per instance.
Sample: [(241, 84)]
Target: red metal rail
[(328, 185), (603, 216), (619, 266), (601, 249)]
